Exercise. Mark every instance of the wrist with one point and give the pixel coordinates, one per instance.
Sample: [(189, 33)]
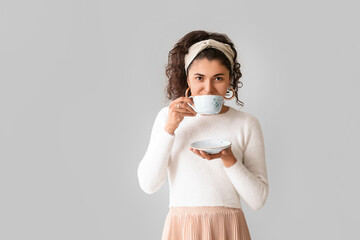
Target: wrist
[(170, 129), (228, 162)]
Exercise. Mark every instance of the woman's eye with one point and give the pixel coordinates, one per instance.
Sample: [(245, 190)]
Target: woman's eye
[(219, 78), (198, 78)]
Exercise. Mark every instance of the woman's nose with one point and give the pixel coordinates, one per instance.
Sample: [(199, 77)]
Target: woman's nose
[(208, 87)]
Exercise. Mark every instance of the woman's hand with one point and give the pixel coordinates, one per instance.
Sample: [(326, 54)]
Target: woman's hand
[(226, 156), (178, 109)]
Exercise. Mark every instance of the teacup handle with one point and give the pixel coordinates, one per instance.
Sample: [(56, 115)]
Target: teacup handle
[(191, 105)]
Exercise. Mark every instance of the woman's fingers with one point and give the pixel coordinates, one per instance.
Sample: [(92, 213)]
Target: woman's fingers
[(182, 110), (178, 109), (201, 154), (184, 106), (182, 103), (205, 155), (196, 152)]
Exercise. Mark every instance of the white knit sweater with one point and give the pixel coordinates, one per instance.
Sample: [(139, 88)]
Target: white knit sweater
[(194, 181)]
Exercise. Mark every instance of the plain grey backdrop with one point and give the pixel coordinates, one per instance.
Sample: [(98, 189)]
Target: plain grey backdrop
[(82, 82)]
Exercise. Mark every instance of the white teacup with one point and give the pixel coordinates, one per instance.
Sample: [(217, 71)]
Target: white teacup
[(207, 104)]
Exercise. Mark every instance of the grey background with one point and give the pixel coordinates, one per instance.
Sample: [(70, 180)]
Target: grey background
[(82, 82)]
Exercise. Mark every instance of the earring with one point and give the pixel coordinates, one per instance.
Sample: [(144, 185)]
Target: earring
[(186, 92), (233, 95)]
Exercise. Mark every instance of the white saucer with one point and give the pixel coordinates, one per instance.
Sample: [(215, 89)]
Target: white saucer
[(211, 146)]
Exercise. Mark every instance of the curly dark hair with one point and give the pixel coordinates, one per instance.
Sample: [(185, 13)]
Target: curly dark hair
[(175, 69)]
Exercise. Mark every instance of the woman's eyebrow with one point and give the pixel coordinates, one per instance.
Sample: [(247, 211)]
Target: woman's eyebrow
[(218, 74)]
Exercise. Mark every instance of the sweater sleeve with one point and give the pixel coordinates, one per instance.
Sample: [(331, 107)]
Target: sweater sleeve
[(250, 178), (152, 169)]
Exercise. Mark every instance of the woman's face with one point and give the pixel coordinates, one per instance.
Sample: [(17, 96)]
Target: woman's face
[(208, 78)]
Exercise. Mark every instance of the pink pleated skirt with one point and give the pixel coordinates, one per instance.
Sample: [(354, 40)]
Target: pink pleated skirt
[(205, 223)]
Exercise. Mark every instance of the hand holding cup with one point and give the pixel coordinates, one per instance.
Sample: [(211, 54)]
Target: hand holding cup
[(178, 109)]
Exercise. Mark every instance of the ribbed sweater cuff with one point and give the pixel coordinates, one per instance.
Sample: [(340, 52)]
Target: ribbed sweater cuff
[(161, 147), (165, 136), (237, 170)]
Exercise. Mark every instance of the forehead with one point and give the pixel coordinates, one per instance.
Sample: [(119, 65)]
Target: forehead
[(207, 67)]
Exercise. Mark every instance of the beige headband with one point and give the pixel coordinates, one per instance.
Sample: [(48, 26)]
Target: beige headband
[(196, 48)]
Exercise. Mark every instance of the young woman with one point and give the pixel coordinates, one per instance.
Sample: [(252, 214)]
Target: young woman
[(205, 189)]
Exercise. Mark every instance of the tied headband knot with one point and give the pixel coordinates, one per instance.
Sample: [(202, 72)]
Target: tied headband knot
[(196, 48)]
